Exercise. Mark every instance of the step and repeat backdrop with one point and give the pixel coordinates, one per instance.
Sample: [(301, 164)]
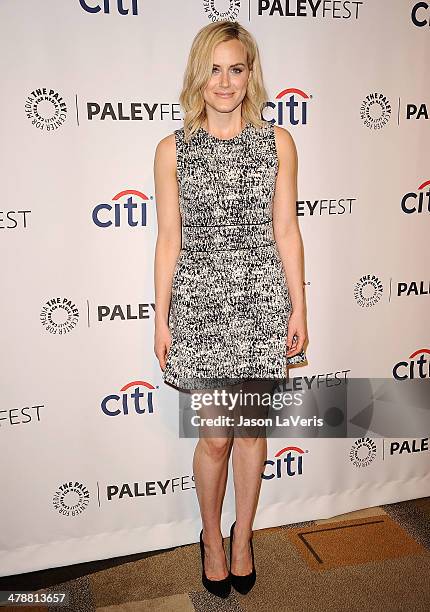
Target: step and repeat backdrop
[(93, 462)]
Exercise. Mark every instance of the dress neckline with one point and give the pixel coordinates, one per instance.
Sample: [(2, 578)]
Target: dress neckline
[(212, 137)]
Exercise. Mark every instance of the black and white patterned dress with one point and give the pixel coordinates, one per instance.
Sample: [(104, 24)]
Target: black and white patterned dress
[(230, 302)]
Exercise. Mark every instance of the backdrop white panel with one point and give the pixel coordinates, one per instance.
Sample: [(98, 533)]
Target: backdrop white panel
[(92, 463)]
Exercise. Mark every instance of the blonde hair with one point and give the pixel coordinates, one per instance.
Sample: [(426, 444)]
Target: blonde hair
[(199, 70)]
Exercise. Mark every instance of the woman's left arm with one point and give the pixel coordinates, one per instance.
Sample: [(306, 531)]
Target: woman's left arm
[(288, 238)]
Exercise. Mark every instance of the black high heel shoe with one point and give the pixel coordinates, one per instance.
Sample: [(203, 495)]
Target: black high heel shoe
[(242, 584), (220, 588)]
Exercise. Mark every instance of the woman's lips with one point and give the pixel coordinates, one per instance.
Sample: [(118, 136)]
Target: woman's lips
[(224, 95)]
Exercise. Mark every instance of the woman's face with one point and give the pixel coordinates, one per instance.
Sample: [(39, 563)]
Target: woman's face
[(227, 86)]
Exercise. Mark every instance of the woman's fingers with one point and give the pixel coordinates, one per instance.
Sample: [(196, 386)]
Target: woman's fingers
[(295, 344), (291, 340), (162, 355)]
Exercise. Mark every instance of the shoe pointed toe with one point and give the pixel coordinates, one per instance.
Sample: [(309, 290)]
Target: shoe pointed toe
[(242, 584), (219, 588)]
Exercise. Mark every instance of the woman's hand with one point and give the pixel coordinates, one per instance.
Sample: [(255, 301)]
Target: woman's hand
[(297, 333), (162, 342)]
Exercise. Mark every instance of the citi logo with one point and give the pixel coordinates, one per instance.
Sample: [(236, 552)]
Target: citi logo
[(123, 210), (420, 14), (136, 396), (290, 107), (415, 366), (121, 7), (288, 462), (417, 201)]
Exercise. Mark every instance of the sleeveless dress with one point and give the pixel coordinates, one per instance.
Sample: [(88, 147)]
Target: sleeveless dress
[(230, 302)]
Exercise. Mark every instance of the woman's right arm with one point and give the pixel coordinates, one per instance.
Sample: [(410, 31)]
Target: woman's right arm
[(168, 243)]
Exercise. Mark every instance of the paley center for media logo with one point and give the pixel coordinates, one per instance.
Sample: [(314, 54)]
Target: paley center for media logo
[(71, 498), (217, 10), (363, 452), (60, 315), (220, 11), (376, 110), (46, 109), (368, 290)]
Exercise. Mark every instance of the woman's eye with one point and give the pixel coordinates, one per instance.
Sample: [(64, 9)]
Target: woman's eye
[(236, 70)]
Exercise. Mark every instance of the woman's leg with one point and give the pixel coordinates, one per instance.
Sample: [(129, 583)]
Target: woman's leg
[(249, 454), (210, 467)]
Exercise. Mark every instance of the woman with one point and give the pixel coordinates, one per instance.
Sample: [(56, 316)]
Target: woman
[(225, 316)]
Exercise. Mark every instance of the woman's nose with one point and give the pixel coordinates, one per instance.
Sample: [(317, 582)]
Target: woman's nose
[(225, 81)]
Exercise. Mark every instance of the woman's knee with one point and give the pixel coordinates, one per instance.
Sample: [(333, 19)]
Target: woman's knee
[(250, 441), (216, 447)]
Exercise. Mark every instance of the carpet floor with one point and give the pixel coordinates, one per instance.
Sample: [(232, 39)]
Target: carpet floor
[(376, 559)]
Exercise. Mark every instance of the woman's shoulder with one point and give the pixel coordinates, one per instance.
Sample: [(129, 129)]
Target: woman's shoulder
[(166, 148), (169, 141), (280, 131), (284, 142), (283, 136)]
